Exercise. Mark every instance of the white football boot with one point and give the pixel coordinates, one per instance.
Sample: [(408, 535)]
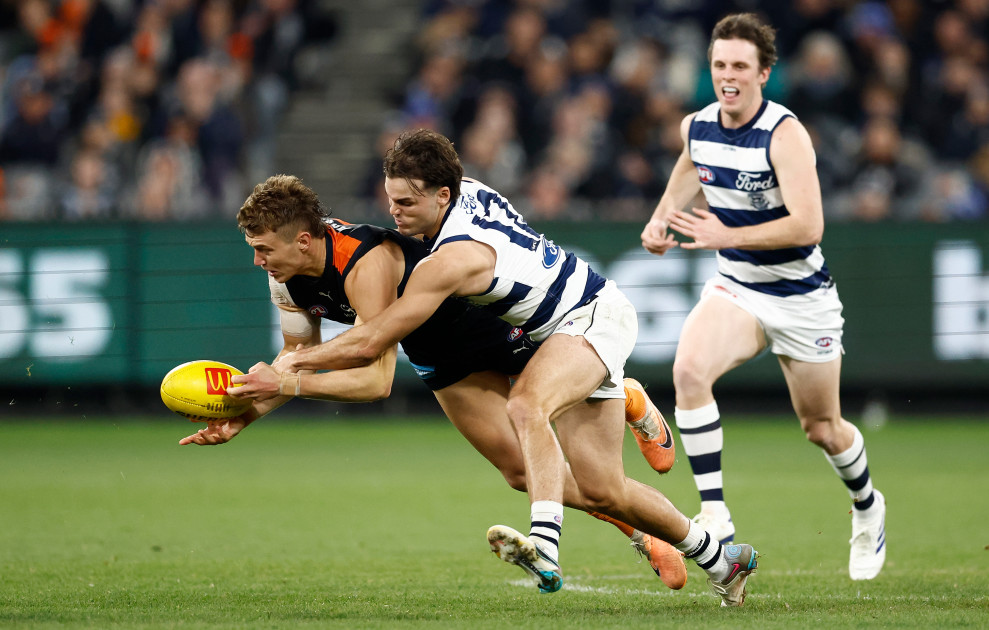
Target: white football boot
[(743, 562), (868, 541), (719, 525), (514, 548)]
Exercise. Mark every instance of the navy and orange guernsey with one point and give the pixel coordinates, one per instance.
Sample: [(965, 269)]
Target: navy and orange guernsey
[(741, 188), (456, 340), (536, 282)]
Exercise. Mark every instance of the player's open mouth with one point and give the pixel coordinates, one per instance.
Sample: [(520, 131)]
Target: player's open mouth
[(729, 92)]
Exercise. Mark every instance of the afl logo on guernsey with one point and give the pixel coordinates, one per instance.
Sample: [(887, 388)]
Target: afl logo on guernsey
[(825, 342), (706, 175), (514, 334), (318, 310)]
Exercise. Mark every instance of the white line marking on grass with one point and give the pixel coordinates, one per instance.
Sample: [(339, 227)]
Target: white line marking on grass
[(569, 585), (573, 584)]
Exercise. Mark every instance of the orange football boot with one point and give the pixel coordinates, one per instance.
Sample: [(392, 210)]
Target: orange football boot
[(652, 433), (664, 559)]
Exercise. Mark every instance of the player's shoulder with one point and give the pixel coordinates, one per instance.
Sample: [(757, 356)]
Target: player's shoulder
[(709, 113), (280, 295), (790, 139), (473, 200), (788, 129), (335, 226), (473, 194), (706, 120), (478, 189), (774, 115)]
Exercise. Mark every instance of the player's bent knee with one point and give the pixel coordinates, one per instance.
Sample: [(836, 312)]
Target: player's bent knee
[(523, 414), (515, 479), (599, 499), (688, 376), (820, 432), (602, 504)]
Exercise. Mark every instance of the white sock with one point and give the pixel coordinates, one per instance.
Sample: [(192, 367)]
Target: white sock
[(705, 550), (853, 468), (547, 524), (703, 440)]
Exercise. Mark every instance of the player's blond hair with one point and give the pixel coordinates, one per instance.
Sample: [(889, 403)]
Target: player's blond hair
[(280, 201)]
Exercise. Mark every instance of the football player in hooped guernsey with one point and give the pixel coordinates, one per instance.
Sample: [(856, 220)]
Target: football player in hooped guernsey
[(755, 164), (320, 267), (482, 250)]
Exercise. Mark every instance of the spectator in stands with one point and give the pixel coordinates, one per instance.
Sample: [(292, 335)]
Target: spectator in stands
[(547, 194), (29, 193), (373, 185), (822, 86), (591, 53), (34, 134), (890, 174), (978, 173), (802, 19), (116, 110), (91, 192), (448, 28), (110, 85), (506, 57), (967, 130), (275, 32), (218, 129), (955, 196), (436, 95), (490, 149), (169, 178), (851, 63), (545, 88)]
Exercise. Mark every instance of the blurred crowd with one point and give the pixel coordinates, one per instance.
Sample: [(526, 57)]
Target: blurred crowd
[(170, 109), (143, 109), (572, 107)]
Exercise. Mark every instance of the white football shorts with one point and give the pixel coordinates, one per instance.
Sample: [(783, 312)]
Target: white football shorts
[(803, 327), (610, 325)]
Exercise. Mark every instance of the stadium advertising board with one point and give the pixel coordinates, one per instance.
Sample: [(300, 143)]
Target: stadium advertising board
[(124, 303)]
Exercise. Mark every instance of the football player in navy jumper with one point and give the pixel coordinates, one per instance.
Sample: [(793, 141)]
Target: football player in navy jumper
[(483, 250), (320, 267)]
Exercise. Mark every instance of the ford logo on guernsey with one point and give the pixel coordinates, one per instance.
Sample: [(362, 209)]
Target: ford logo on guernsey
[(750, 182), (705, 174), (551, 254), (318, 310)]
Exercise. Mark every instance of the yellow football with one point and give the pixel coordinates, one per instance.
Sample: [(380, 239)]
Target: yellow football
[(198, 391)]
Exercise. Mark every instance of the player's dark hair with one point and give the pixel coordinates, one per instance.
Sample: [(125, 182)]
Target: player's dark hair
[(426, 155), (278, 201), (749, 27)]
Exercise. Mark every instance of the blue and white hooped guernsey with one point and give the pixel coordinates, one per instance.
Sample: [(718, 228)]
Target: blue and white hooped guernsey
[(741, 188), (536, 283)]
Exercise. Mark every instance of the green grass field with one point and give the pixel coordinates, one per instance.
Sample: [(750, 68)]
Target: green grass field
[(370, 524)]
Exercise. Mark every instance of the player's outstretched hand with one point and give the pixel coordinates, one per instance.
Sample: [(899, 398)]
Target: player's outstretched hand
[(704, 227), (217, 432), (656, 239), (286, 362), (260, 383)]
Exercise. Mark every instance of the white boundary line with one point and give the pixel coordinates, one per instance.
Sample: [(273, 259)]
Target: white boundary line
[(573, 584)]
